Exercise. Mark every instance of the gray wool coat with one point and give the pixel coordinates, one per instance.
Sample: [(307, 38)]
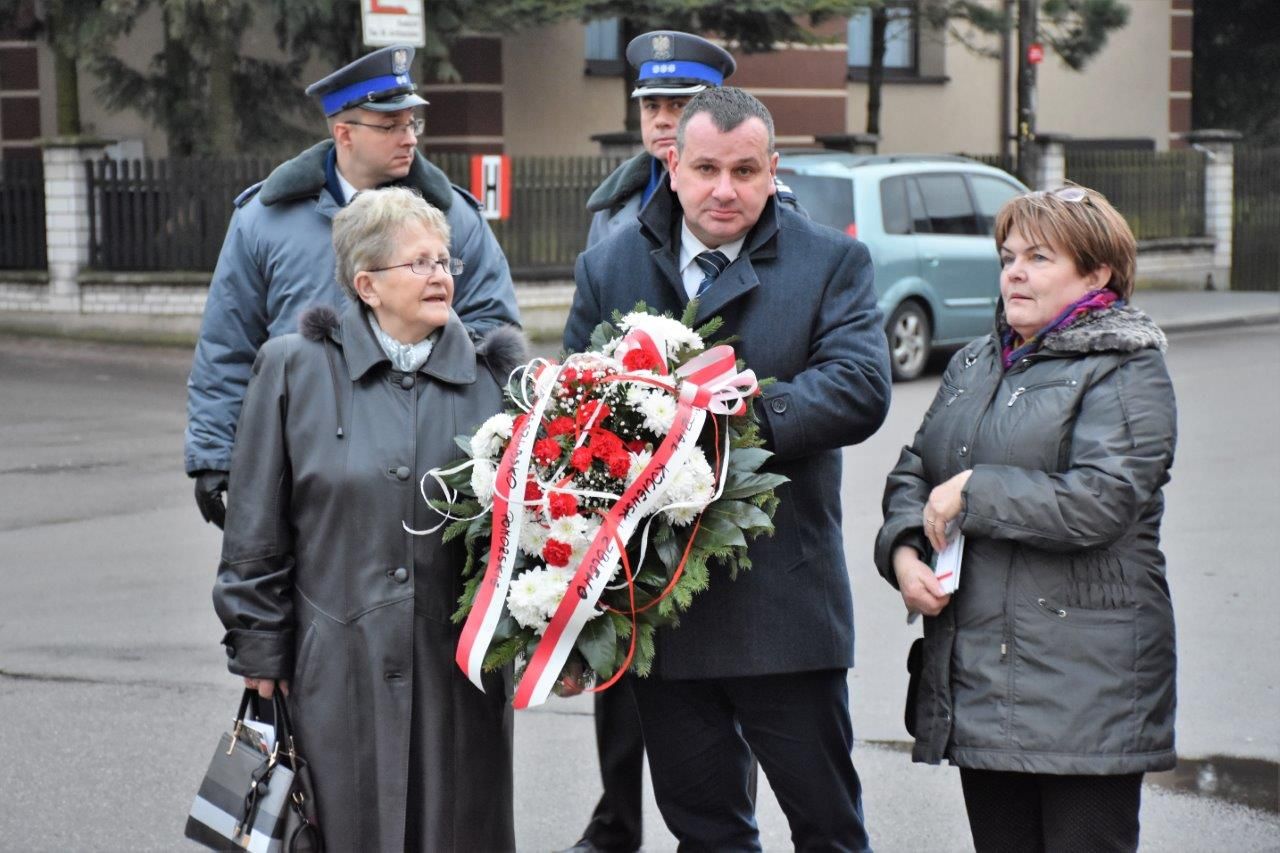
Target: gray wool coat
[(320, 584), (1056, 654)]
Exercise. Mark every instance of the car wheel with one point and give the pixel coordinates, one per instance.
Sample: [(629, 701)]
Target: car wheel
[(910, 340)]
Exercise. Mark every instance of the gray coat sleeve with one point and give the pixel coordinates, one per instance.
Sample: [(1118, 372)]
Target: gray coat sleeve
[(1121, 449), (906, 490), (484, 295), (235, 325), (842, 395), (253, 591)]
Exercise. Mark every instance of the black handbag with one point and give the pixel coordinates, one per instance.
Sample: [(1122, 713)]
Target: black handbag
[(256, 799), (915, 667)]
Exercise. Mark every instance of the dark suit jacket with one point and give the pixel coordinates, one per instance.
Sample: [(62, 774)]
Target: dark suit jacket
[(800, 298)]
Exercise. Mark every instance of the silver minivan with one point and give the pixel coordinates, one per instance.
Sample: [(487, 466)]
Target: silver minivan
[(928, 223)]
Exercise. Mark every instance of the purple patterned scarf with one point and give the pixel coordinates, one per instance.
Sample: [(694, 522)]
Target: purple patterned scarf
[(1015, 348)]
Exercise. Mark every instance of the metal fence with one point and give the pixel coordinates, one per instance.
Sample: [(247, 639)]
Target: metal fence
[(163, 214), (1255, 246), (1160, 193), (549, 220), (22, 223), (172, 214)]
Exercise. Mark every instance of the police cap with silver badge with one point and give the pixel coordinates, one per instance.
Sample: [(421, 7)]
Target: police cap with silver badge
[(378, 81), (674, 63)]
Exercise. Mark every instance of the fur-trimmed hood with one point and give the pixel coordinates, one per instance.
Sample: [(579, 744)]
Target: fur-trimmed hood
[(304, 177), (504, 348), (1121, 328)]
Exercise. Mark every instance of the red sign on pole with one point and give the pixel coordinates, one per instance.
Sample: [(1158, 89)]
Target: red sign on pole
[(491, 184), (1035, 53)]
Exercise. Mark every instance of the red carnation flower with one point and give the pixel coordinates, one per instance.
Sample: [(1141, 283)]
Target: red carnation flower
[(588, 410), (568, 375), (604, 443), (562, 425), (546, 450), (587, 377), (557, 553), (562, 504), (532, 492), (619, 464), (581, 458), (640, 359), (636, 445)]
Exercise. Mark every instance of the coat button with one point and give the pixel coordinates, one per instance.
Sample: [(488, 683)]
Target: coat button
[(779, 405), (400, 575), (964, 450), (402, 473), (406, 381)]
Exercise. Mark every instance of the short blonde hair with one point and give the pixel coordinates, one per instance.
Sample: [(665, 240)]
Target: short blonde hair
[(366, 231), (1080, 222)]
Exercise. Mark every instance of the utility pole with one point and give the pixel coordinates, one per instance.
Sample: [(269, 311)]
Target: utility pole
[(1006, 81), (1029, 55)]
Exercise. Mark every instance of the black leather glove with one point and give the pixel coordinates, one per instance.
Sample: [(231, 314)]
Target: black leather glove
[(209, 488)]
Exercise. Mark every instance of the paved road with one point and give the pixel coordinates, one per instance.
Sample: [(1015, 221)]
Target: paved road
[(112, 686)]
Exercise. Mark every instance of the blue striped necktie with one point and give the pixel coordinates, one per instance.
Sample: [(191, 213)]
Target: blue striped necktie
[(712, 264)]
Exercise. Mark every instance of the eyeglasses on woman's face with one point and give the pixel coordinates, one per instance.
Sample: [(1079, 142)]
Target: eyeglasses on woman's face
[(424, 266)]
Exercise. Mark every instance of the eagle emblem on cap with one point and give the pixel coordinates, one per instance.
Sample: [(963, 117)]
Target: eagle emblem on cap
[(399, 61), (661, 46)]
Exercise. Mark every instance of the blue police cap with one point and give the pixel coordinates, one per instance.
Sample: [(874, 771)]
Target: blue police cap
[(674, 63), (378, 81)]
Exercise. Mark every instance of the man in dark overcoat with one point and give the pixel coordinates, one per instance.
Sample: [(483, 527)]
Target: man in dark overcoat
[(758, 664)]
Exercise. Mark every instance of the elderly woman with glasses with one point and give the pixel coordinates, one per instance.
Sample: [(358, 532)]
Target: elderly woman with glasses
[(323, 590), (1047, 676)]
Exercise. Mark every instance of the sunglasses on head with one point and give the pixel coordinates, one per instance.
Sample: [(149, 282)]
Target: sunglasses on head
[(1071, 194)]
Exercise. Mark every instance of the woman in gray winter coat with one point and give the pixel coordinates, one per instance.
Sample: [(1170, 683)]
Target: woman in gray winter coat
[(1048, 675), (322, 590)]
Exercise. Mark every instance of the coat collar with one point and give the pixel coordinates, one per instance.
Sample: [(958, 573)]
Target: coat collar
[(660, 225), (304, 177), (628, 179), (452, 359)]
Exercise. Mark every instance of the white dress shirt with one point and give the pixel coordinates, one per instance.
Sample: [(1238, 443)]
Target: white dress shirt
[(690, 247)]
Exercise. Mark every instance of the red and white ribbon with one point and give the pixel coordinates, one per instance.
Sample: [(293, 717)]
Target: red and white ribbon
[(718, 385), (598, 565)]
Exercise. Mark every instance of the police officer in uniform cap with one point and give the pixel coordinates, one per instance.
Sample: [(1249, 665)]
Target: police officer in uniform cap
[(277, 258), (671, 68)]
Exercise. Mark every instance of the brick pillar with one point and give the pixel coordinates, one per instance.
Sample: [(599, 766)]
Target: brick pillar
[(1218, 147), (66, 205), (1051, 164)]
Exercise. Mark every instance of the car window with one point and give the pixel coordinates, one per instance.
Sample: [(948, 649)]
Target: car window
[(827, 199), (919, 219), (893, 206), (946, 201), (989, 195)]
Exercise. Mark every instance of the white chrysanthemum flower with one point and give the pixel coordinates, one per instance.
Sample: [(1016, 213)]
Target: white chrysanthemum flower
[(569, 528), (639, 461), (488, 440), (482, 475), (676, 334), (535, 595), (533, 535), (659, 410), (692, 483), (524, 600), (580, 545)]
